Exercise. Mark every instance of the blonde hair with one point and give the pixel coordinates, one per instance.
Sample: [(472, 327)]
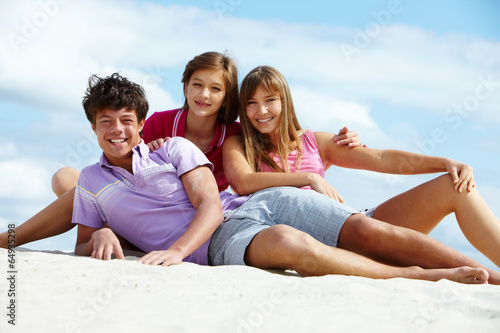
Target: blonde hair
[(258, 146)]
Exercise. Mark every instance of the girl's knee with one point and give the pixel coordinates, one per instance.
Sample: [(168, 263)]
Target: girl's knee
[(446, 187)]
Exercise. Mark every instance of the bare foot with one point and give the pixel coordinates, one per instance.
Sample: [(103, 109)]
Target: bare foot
[(465, 274), (494, 276)]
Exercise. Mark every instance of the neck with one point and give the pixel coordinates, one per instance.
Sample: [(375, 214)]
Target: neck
[(123, 162), (274, 139), (200, 131)]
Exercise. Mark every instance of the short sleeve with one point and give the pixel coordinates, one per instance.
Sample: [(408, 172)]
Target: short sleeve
[(185, 156), (86, 209)]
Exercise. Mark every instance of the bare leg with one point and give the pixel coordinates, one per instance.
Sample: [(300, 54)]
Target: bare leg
[(64, 180), (424, 206), (53, 220), (400, 246), (56, 218), (284, 247)]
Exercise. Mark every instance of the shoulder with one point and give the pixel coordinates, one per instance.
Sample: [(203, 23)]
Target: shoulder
[(184, 155), (233, 129), (307, 134), (179, 145), (322, 137), (91, 176), (179, 140), (159, 124), (163, 116), (233, 141), (90, 170), (325, 141)]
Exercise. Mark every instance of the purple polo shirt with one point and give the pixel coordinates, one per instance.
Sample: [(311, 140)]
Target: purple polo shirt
[(150, 208)]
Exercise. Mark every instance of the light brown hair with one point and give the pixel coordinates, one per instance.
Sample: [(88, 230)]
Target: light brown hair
[(258, 146), (228, 113)]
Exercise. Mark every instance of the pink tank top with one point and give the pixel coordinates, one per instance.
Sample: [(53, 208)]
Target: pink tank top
[(310, 161)]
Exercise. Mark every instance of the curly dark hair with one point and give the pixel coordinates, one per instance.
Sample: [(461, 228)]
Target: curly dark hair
[(114, 92)]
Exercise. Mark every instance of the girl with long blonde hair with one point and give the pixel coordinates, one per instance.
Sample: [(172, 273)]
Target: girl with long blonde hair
[(273, 143)]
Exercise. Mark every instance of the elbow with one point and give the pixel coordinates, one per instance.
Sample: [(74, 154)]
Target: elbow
[(220, 217), (79, 251), (84, 249), (240, 187), (212, 208)]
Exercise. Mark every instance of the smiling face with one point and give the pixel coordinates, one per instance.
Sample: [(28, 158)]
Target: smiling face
[(205, 93), (263, 110), (118, 133)]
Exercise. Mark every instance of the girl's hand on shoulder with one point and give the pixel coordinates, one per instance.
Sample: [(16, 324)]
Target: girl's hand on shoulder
[(462, 175), (349, 138), (156, 144), (320, 185)]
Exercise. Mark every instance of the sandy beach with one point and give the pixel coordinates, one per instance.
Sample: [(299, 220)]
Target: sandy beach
[(58, 292)]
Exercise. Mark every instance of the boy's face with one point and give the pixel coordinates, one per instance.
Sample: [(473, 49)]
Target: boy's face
[(118, 133)]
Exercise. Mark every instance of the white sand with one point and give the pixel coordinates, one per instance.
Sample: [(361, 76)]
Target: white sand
[(59, 292)]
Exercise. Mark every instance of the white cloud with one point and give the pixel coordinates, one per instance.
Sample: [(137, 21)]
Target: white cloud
[(3, 224), (426, 70), (7, 149), (322, 109), (321, 112), (23, 180)]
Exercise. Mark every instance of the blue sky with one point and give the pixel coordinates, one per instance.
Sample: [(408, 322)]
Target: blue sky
[(422, 76)]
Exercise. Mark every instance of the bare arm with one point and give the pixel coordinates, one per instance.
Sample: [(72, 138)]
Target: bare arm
[(202, 191), (392, 161), (245, 181), (97, 243)]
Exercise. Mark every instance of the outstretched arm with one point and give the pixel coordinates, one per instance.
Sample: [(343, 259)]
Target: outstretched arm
[(392, 161), (202, 191)]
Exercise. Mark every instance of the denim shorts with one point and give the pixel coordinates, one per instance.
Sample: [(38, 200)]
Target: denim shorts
[(305, 210)]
